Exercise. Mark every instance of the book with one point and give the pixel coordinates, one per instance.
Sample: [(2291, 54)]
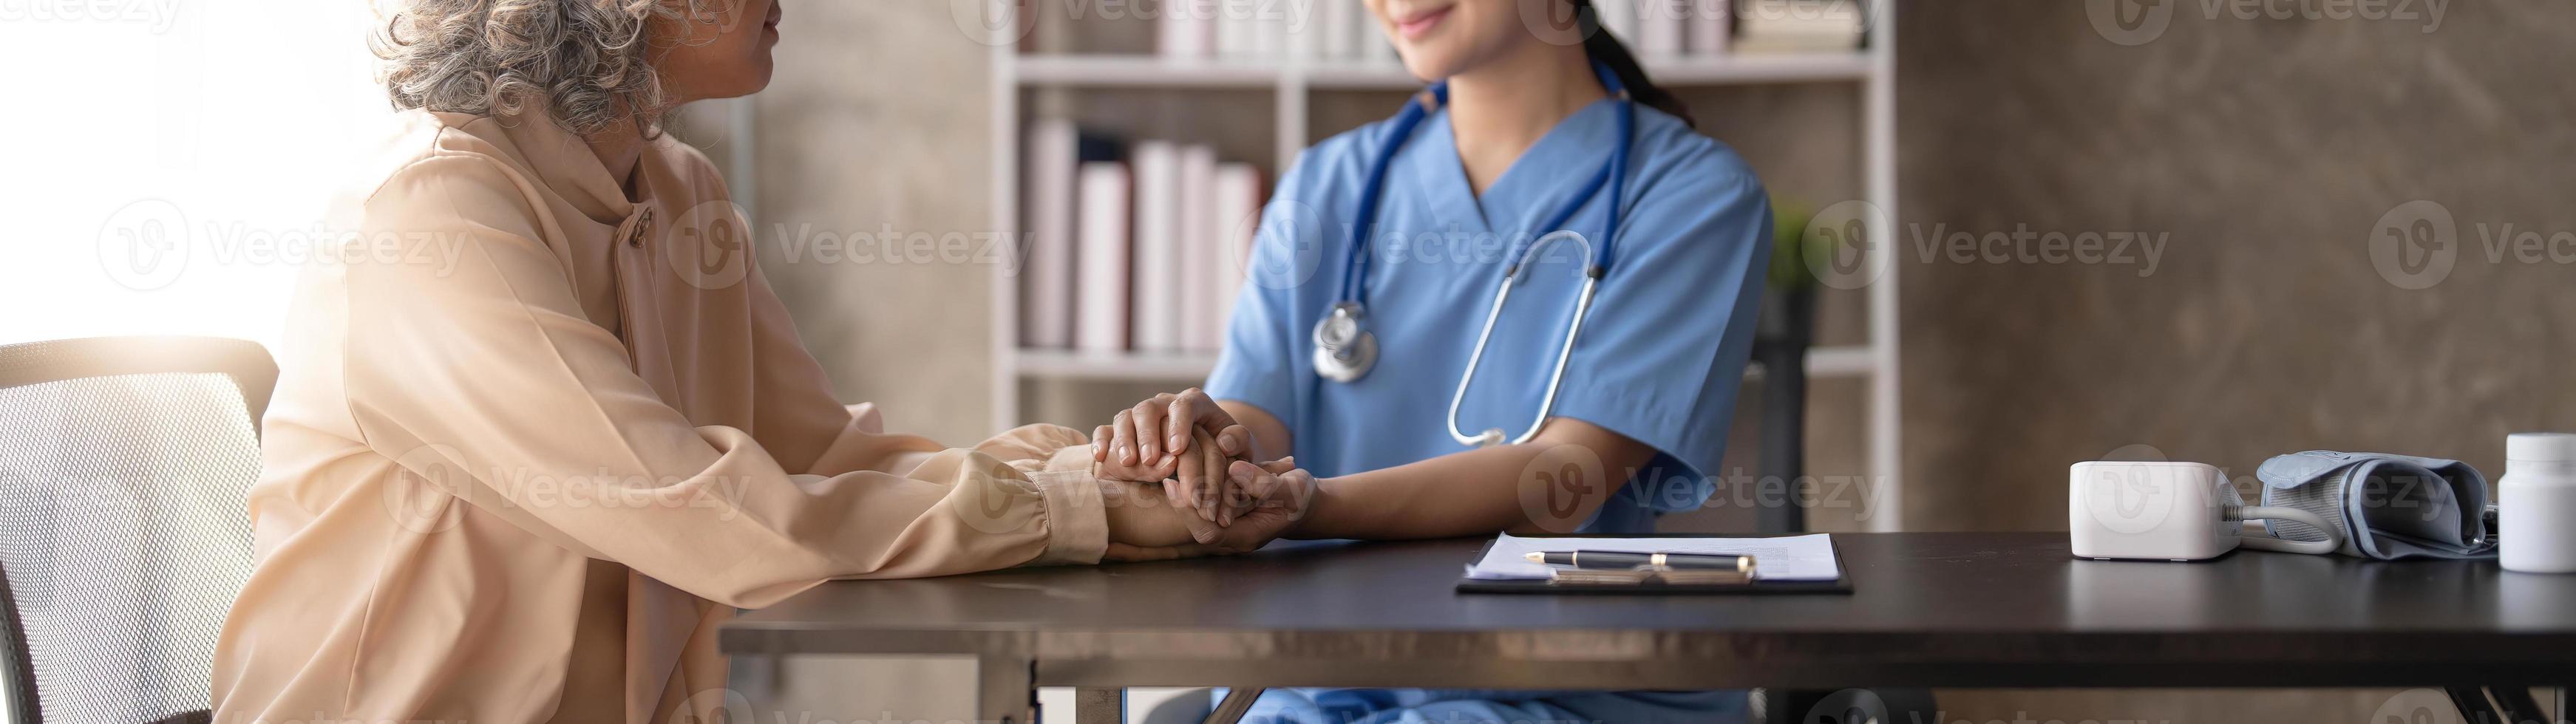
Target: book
[(1660, 26), (1048, 236), (1155, 320), (1707, 28), (1237, 213), (1188, 29), (1100, 285), (1201, 248), (1341, 30), (1799, 26)]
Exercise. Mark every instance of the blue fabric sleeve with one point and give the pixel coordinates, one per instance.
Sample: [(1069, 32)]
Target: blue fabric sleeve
[(1672, 325)]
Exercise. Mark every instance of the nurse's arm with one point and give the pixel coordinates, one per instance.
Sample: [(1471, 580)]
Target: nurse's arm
[(1553, 483)]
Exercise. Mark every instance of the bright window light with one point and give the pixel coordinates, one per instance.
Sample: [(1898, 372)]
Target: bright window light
[(170, 162)]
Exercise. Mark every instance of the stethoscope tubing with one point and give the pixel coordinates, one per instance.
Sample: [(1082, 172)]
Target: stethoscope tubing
[(1350, 360)]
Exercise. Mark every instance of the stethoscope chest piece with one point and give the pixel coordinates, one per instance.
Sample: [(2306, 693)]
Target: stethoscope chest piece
[(1344, 348)]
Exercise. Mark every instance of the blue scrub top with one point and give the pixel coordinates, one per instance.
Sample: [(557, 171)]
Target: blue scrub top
[(1660, 355)]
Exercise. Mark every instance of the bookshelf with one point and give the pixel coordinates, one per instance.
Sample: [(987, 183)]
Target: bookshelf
[(1291, 82)]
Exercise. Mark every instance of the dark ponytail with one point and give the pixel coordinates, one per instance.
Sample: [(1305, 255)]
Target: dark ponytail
[(1599, 45)]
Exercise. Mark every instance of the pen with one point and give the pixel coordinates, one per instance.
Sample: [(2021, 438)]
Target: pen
[(1615, 559)]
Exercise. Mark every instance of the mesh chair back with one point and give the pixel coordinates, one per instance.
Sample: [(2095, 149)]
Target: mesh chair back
[(123, 467)]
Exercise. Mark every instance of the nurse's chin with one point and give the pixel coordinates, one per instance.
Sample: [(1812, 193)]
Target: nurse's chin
[(1429, 64)]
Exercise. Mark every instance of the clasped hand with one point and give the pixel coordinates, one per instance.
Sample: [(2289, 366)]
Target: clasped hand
[(1190, 488)]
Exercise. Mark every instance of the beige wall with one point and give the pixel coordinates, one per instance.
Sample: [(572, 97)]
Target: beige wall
[(878, 118)]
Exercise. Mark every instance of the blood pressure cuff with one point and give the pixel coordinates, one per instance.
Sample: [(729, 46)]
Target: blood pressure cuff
[(2389, 506)]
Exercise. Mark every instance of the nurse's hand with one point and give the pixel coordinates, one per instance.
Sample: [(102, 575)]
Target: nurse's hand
[(1272, 498), (1155, 431)]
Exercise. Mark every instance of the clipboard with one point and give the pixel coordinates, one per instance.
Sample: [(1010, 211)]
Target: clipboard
[(1838, 586)]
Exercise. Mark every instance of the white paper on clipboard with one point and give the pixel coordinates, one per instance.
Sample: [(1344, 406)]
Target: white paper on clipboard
[(1792, 558)]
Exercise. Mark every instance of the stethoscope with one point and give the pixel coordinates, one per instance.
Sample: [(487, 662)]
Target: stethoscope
[(1345, 349)]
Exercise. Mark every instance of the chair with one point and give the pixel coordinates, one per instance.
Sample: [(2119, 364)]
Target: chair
[(123, 540), (1785, 333)]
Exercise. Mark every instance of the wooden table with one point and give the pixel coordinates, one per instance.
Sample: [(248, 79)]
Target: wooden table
[(1929, 610)]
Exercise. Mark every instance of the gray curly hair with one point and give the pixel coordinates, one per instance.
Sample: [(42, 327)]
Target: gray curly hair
[(587, 61)]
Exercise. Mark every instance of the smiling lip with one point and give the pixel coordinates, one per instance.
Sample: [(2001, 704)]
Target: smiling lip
[(1417, 24), (776, 12)]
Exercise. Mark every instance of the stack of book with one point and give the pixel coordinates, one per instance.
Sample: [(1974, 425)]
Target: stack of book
[(1801, 26), (1653, 29), (1269, 30), (1131, 247)]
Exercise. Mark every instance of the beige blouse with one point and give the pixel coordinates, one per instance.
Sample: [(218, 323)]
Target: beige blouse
[(532, 442)]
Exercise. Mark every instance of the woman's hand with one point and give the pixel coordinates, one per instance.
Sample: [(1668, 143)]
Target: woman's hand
[(1143, 525), (1153, 435)]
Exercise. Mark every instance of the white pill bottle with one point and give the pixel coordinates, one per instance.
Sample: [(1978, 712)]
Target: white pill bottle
[(2536, 503)]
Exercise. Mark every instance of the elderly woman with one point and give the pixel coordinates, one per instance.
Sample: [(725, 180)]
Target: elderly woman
[(527, 483)]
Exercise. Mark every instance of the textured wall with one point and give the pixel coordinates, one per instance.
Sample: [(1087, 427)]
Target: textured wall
[(2268, 150), (877, 121)]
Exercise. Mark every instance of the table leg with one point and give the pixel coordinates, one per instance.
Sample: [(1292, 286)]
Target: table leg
[(2517, 706), (2561, 710), (1004, 692), (1237, 701), (1099, 705)]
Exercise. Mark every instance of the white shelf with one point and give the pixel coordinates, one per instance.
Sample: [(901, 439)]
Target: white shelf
[(1822, 362), (1146, 71), (1292, 84), (1149, 71)]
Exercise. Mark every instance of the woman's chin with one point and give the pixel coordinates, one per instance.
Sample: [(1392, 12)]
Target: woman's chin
[(1428, 65)]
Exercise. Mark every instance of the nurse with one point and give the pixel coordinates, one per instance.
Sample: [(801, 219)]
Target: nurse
[(1535, 118)]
